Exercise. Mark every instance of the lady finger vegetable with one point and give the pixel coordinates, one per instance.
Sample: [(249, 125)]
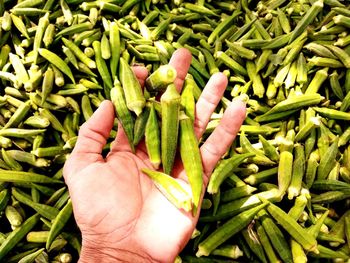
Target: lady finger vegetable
[(135, 101), (171, 188), (170, 104), (191, 158), (227, 230), (152, 138)]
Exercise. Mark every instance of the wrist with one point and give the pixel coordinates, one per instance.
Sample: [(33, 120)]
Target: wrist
[(93, 252)]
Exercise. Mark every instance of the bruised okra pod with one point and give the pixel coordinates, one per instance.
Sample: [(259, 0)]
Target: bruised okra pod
[(170, 104)]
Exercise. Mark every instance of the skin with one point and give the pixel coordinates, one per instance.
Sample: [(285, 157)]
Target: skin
[(122, 215)]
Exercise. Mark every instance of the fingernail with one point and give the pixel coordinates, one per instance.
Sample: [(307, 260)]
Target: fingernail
[(243, 98)]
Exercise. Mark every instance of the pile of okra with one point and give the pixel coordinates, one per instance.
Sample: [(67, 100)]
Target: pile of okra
[(280, 194)]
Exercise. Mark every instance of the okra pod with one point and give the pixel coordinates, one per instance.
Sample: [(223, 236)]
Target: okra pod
[(135, 100), (307, 19), (191, 158), (17, 234), (170, 104), (122, 112), (171, 188), (161, 78), (227, 230)]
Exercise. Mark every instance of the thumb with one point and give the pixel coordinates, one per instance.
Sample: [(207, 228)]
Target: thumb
[(94, 133)]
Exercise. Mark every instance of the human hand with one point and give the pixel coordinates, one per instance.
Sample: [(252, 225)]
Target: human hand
[(122, 215)]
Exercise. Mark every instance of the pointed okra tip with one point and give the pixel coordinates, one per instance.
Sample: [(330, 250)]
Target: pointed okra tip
[(136, 107), (318, 3), (243, 97), (264, 200), (183, 116)]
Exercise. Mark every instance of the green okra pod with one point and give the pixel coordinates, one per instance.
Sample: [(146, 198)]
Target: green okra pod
[(237, 192), (296, 103), (56, 61), (103, 69), (297, 172), (59, 222), (47, 84), (140, 125), (171, 188), (161, 78), (18, 116), (310, 15), (114, 38), (135, 100), (227, 230), (42, 25), (327, 161), (332, 114), (191, 158), (122, 112), (152, 138), (16, 235), (11, 162), (170, 104), (188, 100), (254, 243)]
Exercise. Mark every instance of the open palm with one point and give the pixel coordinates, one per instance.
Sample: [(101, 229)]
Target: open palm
[(123, 217)]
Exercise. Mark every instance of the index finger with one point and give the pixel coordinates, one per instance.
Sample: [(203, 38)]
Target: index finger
[(181, 61)]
